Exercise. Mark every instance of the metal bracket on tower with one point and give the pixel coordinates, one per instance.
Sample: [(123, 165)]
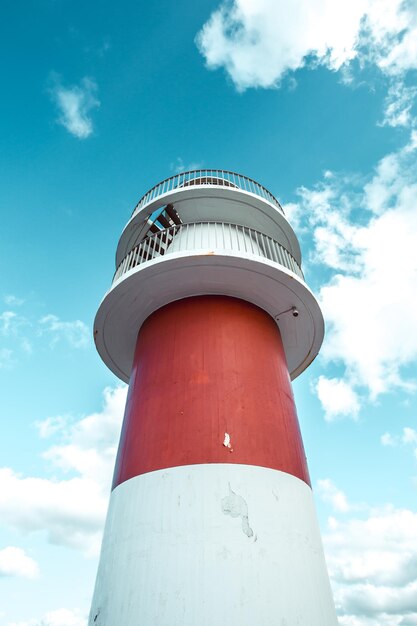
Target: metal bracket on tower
[(293, 310)]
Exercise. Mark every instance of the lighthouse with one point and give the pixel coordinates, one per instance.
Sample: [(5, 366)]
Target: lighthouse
[(211, 519)]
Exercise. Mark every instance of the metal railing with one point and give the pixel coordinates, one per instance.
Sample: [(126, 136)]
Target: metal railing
[(207, 235), (223, 178)]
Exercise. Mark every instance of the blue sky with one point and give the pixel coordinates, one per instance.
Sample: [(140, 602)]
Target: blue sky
[(316, 101)]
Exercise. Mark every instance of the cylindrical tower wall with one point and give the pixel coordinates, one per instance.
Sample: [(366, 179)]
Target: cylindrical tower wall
[(205, 369), (211, 518)]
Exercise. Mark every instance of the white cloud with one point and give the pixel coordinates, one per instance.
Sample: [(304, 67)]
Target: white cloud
[(337, 398), (373, 566), (179, 166), (69, 510), (385, 186), (398, 105), (59, 617), (12, 300), (76, 333), (408, 437), (50, 426), (26, 345), (13, 328), (366, 236), (6, 358), (15, 562), (75, 105), (89, 445), (259, 42), (394, 29), (383, 619), (388, 440), (293, 214), (329, 493), (10, 323), (20, 333)]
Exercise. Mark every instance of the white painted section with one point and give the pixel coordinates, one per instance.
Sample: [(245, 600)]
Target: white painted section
[(203, 203), (147, 287), (212, 545)]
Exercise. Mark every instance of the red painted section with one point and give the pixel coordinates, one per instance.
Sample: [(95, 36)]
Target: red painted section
[(203, 367)]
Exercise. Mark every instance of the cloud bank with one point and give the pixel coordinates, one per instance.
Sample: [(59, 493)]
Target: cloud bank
[(70, 506), (257, 43), (364, 233)]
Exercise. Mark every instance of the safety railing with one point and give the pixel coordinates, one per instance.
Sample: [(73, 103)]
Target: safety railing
[(222, 178), (207, 235)]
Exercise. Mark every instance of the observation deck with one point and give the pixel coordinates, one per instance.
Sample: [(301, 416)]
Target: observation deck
[(208, 232)]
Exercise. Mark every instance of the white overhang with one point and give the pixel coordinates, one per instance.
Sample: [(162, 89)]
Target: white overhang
[(147, 287)]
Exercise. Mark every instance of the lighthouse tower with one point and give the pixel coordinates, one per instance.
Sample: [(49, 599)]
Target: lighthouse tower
[(211, 519)]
